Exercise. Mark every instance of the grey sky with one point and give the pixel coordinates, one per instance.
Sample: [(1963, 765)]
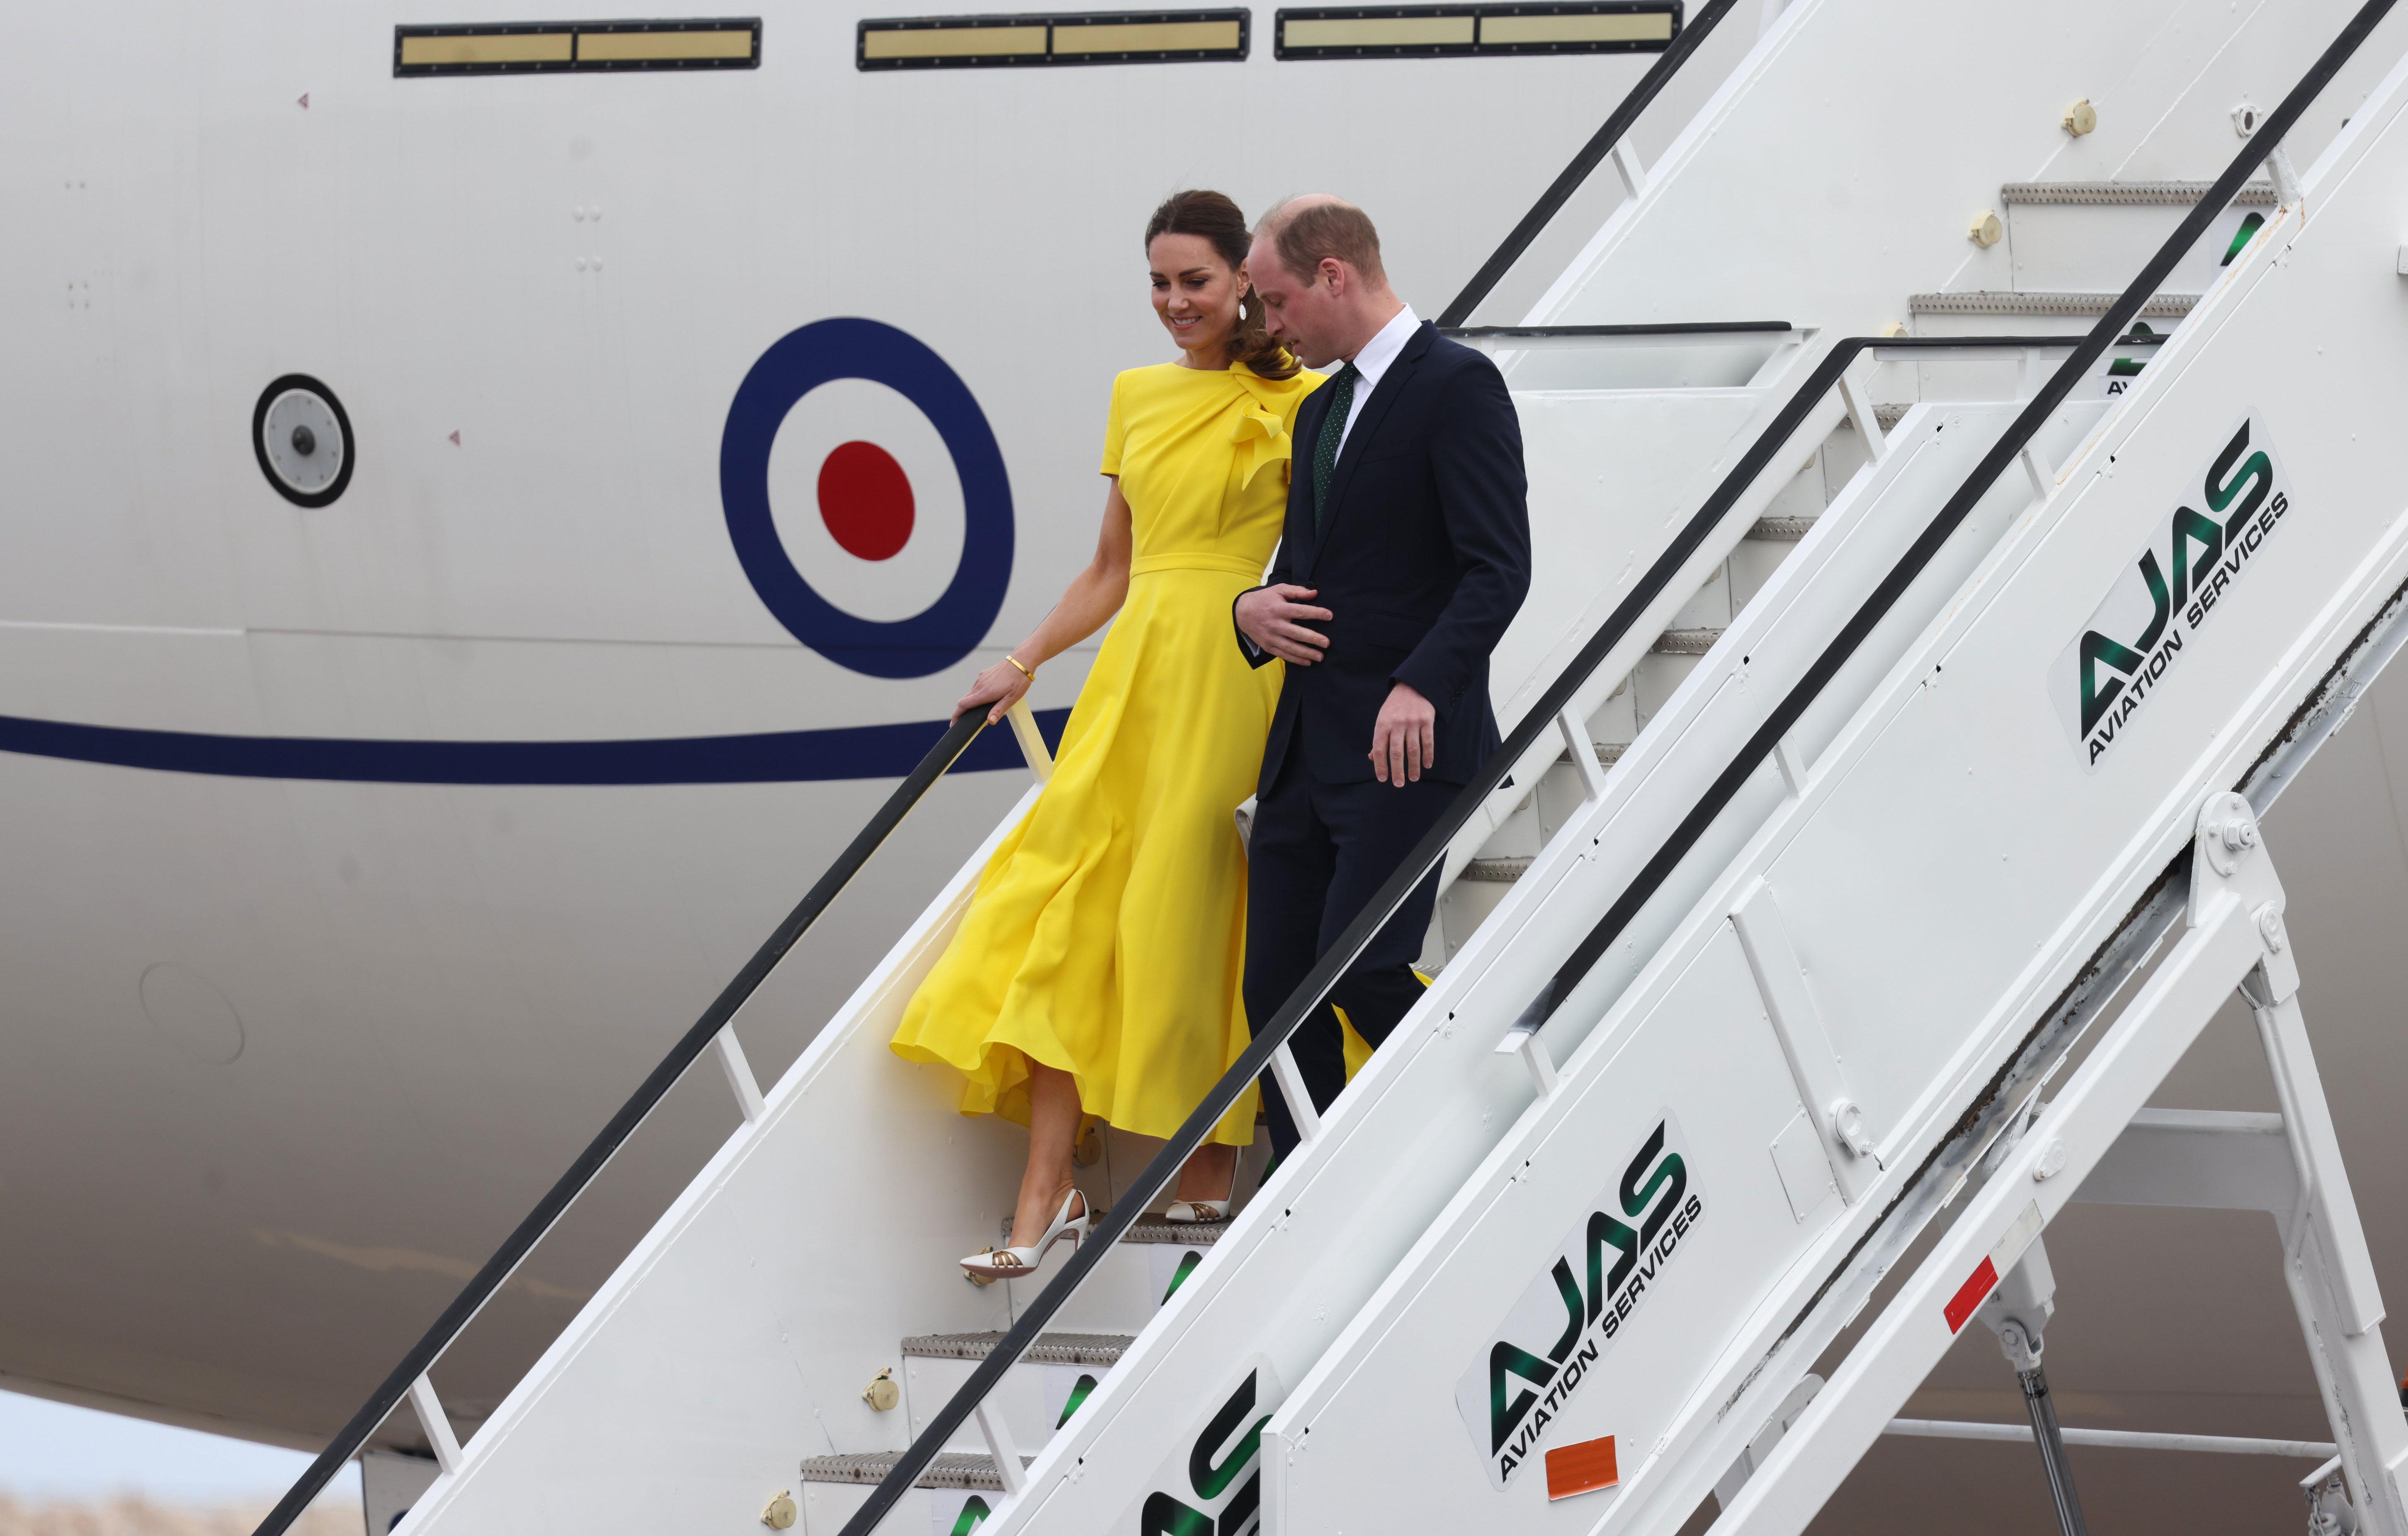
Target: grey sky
[(53, 1452)]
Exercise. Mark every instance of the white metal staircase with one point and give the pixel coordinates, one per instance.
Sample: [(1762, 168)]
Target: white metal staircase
[(1832, 989), (1945, 894)]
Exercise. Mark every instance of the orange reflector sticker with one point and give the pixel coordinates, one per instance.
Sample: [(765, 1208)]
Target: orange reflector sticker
[(1580, 1469), (1969, 1295)]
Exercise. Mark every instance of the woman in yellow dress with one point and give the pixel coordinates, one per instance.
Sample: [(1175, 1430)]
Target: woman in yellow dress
[(1096, 971)]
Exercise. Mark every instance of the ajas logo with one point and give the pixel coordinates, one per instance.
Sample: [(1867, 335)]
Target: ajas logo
[(1215, 1489), (1570, 1316), (2113, 669)]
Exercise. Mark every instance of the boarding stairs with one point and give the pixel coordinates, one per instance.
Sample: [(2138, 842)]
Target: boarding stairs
[(791, 1343)]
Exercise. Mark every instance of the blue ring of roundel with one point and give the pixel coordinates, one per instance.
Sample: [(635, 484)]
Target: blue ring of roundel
[(821, 352)]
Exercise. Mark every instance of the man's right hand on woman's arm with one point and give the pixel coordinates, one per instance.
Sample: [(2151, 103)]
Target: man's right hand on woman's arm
[(1271, 617)]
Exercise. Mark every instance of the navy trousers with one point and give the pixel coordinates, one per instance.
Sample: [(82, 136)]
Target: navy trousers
[(1317, 854)]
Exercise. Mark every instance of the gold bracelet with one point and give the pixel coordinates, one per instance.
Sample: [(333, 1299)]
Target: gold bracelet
[(1016, 666)]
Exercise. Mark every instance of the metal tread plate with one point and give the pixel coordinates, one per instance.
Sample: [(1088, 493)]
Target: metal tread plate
[(1155, 1229), (949, 1470), (1496, 872), (2180, 194), (2006, 302), (1685, 642), (1050, 1348)]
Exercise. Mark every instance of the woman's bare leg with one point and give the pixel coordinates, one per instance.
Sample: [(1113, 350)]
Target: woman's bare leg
[(1054, 1117), (1210, 1176)]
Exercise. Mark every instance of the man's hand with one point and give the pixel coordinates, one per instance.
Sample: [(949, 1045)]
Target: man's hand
[(1268, 617), (1405, 739)]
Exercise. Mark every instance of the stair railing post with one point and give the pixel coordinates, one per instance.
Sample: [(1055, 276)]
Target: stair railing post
[(1031, 739), (2288, 190), (1302, 1110), (436, 1423), (997, 1435), (1860, 415), (741, 1080)]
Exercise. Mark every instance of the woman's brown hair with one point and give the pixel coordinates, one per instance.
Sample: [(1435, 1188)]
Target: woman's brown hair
[(1216, 219)]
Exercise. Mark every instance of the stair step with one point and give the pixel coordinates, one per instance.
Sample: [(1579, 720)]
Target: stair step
[(1155, 1229), (1103, 1349), (949, 1470), (2183, 194), (1496, 872), (1608, 753), (1685, 643), (2000, 302), (1789, 530)]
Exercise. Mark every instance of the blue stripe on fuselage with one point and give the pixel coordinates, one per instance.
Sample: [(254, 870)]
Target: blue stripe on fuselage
[(844, 752)]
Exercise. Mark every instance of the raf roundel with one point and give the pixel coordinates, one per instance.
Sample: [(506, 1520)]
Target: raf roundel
[(864, 499), (867, 510)]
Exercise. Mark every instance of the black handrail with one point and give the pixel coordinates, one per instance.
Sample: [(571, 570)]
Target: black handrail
[(1426, 855), (1600, 144), (1690, 327), (354, 1435)]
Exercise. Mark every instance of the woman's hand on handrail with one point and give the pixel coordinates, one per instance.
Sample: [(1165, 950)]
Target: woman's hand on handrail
[(1002, 685)]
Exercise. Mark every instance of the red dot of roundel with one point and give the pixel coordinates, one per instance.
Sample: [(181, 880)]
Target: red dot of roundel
[(866, 501)]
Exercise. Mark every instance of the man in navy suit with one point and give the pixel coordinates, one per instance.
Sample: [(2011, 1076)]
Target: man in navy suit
[(1407, 552)]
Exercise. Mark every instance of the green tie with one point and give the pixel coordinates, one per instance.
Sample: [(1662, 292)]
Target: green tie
[(1333, 427)]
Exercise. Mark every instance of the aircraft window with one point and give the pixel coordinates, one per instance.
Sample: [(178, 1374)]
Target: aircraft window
[(1466, 31), (990, 42), (546, 48)]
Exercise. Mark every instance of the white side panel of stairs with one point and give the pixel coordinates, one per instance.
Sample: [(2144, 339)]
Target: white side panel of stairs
[(740, 1332), (1953, 864)]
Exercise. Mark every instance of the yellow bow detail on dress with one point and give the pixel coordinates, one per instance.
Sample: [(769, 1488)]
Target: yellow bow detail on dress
[(1262, 440)]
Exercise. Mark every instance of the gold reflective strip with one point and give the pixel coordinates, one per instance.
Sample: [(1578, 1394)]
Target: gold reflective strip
[(1626, 27), (1145, 37), (951, 42), (1378, 32), (487, 47), (663, 45)]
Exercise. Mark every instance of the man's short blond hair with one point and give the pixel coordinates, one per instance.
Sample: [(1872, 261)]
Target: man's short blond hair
[(1306, 231)]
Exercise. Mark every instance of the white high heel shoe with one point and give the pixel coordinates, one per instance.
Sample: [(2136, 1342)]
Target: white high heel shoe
[(1202, 1213), (1004, 1263)]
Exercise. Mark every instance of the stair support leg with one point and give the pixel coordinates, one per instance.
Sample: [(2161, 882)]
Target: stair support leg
[(2042, 1410), (2330, 1276), (2235, 942)]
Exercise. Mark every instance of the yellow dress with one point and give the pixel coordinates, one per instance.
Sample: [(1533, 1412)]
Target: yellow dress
[(1107, 934)]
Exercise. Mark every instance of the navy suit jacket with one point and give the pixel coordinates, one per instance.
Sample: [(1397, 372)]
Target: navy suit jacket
[(1423, 558)]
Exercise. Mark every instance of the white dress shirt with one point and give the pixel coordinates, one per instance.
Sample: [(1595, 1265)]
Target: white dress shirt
[(1372, 361)]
